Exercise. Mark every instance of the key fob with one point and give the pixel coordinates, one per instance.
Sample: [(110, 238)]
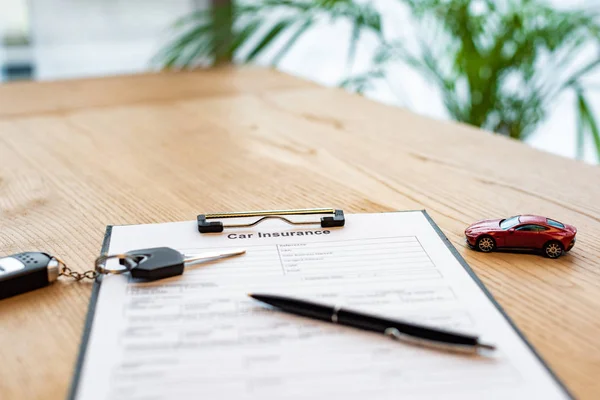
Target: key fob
[(24, 272), (156, 263)]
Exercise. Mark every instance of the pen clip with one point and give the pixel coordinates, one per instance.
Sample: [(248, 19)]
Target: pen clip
[(451, 347)]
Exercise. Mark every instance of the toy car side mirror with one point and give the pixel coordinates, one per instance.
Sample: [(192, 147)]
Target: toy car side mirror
[(511, 230)]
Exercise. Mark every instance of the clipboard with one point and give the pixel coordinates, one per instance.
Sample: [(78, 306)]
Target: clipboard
[(106, 243)]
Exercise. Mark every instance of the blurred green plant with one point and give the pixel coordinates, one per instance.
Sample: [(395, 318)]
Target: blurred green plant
[(497, 64), (244, 30)]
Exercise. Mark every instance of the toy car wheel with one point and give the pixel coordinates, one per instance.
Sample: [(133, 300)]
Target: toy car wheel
[(486, 244), (553, 249)]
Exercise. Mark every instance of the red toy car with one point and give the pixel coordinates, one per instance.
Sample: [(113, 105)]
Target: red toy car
[(522, 232)]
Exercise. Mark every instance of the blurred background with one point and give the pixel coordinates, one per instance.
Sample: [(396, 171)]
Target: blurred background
[(528, 69)]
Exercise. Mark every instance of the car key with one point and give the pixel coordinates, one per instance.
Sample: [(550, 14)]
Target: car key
[(24, 272), (165, 262)]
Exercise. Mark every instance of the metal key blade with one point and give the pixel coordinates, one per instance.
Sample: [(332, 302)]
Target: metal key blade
[(193, 259)]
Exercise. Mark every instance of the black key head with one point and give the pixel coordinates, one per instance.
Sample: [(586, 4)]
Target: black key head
[(156, 263)]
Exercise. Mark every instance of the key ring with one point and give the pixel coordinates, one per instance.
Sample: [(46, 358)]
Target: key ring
[(100, 269)]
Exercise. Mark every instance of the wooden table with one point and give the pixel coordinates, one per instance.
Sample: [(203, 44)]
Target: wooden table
[(78, 155)]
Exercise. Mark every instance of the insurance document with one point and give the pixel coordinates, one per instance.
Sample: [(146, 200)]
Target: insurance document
[(199, 336)]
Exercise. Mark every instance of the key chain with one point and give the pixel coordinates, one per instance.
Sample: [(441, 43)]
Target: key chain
[(24, 272)]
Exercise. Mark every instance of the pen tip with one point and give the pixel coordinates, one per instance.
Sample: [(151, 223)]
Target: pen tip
[(257, 296), (486, 346)]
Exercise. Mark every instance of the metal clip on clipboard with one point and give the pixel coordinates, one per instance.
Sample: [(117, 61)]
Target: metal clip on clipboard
[(332, 218)]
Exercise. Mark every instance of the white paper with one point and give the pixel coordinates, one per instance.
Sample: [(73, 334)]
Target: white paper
[(198, 336)]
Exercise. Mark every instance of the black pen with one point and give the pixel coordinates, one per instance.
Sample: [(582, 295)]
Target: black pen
[(405, 331)]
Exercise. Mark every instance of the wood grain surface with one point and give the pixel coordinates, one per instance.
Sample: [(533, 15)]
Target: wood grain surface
[(78, 155)]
